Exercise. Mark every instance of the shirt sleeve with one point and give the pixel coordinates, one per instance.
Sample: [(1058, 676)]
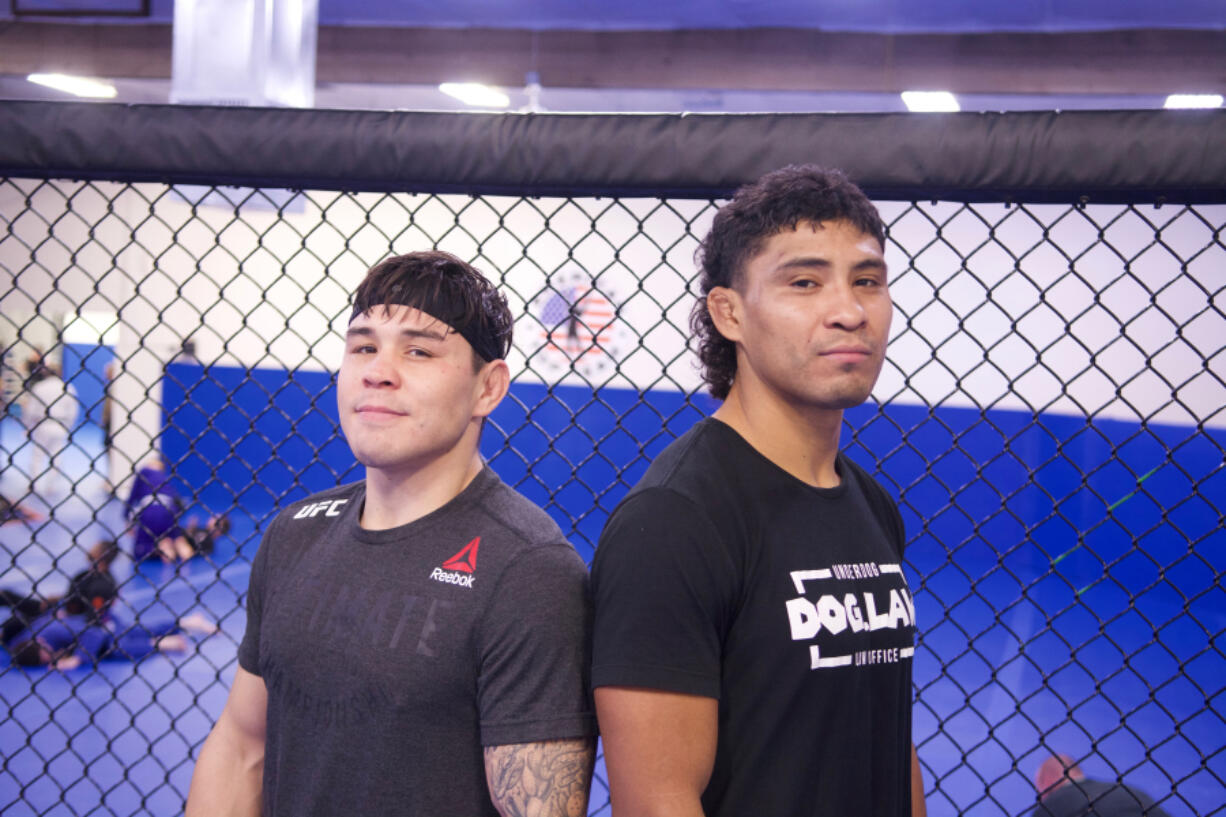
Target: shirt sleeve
[(533, 644), (249, 648), (665, 591)]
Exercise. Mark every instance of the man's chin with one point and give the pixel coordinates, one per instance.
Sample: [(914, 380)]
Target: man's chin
[(853, 392), (850, 403), (846, 399), (395, 462), (378, 459)]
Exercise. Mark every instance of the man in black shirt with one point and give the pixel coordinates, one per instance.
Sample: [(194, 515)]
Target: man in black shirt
[(754, 630)]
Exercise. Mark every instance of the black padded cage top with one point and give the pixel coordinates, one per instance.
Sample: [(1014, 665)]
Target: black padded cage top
[(1154, 156)]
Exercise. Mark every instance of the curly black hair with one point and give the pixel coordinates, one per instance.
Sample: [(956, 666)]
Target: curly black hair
[(778, 201), (441, 285)]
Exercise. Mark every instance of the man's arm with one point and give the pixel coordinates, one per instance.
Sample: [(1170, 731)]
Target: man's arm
[(229, 776), (659, 749), (549, 778), (918, 807)]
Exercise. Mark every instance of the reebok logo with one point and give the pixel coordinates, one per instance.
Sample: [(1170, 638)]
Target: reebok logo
[(331, 508), (459, 569), (461, 579)]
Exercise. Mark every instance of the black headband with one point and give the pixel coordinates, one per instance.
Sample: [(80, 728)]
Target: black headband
[(485, 344)]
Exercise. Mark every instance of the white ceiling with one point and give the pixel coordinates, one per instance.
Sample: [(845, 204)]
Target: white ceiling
[(394, 87)]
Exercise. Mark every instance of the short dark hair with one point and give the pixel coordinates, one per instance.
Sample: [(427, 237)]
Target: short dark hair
[(778, 201), (446, 288), (27, 653)]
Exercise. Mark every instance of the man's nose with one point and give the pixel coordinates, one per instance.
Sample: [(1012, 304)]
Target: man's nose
[(379, 371), (844, 310)]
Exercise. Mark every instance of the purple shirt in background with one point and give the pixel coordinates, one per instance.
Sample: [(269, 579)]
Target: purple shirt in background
[(153, 507)]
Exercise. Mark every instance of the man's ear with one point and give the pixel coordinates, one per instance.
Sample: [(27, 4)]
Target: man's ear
[(725, 306), (493, 381)]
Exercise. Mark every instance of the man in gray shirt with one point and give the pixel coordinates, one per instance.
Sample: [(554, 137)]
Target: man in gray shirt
[(416, 642)]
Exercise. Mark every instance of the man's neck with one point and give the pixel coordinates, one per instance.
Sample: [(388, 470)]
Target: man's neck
[(395, 498), (805, 443)]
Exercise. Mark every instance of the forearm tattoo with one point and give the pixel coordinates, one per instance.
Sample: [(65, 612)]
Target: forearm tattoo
[(545, 779)]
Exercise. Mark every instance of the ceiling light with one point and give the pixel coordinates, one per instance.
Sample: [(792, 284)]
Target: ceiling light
[(930, 101), (1193, 101), (80, 86), (476, 94)]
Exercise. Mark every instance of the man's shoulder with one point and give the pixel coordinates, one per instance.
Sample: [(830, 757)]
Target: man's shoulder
[(691, 489), (688, 465), (531, 554), (881, 503), (324, 503), (858, 473), (864, 481), (522, 519)]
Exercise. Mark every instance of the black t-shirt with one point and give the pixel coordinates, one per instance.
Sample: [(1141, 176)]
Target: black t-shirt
[(392, 657), (722, 575)]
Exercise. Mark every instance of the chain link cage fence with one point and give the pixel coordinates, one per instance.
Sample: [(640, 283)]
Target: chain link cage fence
[(1050, 418)]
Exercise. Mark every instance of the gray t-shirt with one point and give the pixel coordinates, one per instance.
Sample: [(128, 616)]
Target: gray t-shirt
[(392, 657)]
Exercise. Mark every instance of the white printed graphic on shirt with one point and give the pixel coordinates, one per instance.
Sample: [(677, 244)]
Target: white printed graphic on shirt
[(331, 508), (862, 611)]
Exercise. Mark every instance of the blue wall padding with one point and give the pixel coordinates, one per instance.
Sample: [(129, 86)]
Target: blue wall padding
[(259, 438), (989, 498)]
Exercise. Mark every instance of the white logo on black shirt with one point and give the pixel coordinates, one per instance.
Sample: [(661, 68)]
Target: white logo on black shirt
[(329, 508), (854, 612)]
